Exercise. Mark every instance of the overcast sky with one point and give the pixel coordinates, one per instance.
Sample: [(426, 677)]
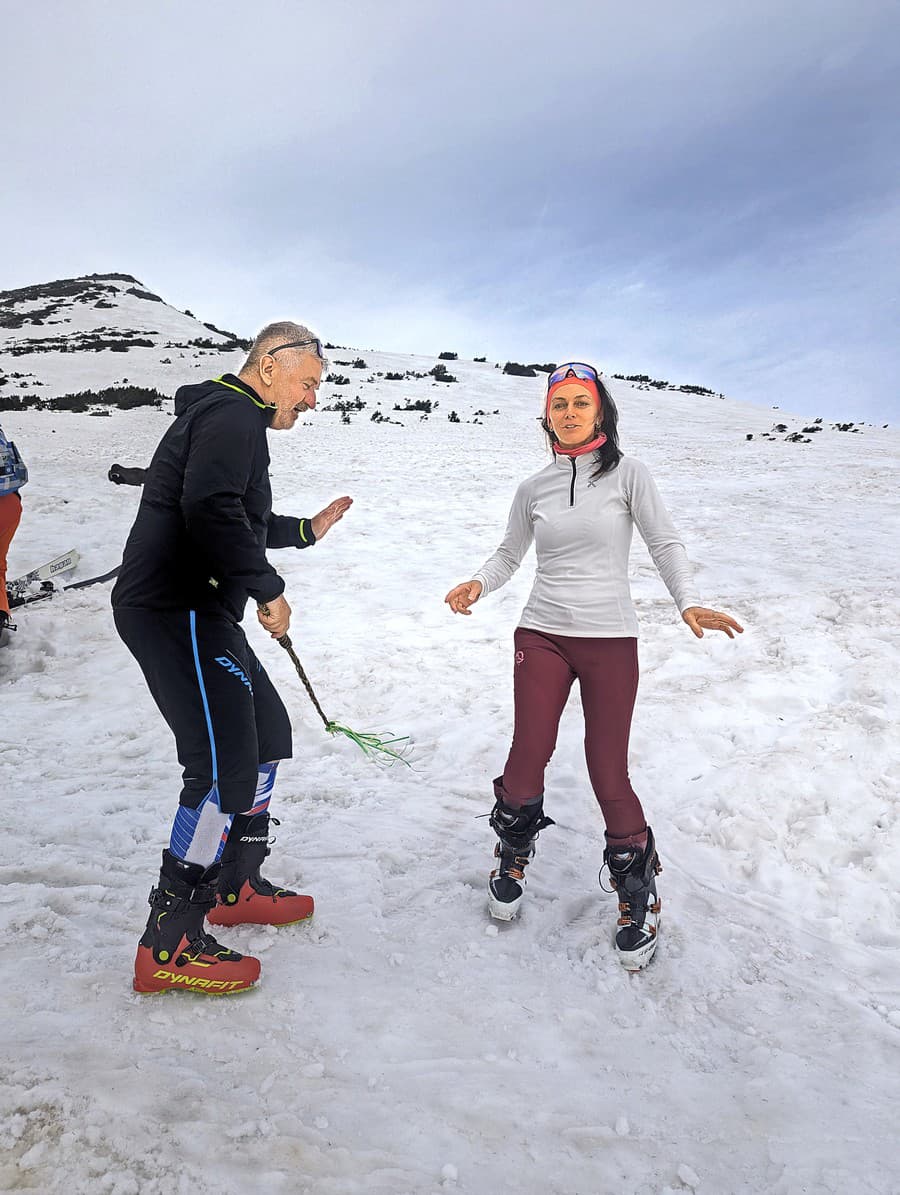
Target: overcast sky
[(706, 191)]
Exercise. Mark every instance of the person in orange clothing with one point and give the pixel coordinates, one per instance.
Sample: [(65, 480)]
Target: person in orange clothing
[(13, 476)]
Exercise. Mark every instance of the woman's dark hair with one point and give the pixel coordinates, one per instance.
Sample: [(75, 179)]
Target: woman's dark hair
[(609, 454)]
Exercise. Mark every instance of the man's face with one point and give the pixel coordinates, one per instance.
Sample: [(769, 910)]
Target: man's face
[(289, 383)]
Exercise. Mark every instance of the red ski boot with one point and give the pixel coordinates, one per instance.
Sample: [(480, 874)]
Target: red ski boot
[(243, 896), (174, 953)]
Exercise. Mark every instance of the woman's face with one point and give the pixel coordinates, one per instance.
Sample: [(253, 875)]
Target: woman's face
[(573, 415)]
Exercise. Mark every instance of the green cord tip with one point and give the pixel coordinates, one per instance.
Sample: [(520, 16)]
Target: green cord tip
[(375, 746)]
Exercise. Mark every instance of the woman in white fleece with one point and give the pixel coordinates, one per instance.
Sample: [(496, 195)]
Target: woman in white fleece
[(579, 622)]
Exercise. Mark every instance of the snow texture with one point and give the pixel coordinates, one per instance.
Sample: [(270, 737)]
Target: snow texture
[(400, 1044)]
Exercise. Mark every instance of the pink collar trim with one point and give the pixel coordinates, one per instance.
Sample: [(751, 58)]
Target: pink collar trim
[(585, 448)]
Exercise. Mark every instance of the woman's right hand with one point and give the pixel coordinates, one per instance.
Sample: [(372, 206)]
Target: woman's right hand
[(463, 596)]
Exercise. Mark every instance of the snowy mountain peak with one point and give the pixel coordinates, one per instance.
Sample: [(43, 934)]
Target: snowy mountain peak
[(65, 312), (68, 335)]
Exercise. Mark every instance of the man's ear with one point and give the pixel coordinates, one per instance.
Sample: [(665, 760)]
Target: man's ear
[(266, 369)]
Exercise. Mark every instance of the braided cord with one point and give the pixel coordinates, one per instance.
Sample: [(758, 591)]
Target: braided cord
[(375, 746)]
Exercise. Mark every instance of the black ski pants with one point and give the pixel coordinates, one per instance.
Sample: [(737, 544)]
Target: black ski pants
[(215, 695)]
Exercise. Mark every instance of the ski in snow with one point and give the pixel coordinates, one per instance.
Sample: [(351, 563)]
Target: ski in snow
[(62, 564), (48, 589)]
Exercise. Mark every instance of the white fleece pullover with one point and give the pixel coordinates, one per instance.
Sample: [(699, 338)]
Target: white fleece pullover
[(582, 534)]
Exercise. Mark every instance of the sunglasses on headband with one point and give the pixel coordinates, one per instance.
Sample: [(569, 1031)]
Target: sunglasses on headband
[(298, 344), (575, 369)]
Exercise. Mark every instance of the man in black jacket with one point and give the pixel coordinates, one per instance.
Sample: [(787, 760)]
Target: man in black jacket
[(196, 552)]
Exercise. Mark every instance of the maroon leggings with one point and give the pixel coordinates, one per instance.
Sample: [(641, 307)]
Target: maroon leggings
[(607, 671)]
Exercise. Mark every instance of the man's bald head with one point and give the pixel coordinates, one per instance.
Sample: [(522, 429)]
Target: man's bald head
[(281, 332)]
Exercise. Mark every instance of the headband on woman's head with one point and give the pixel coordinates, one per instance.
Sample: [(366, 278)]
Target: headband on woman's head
[(577, 372)]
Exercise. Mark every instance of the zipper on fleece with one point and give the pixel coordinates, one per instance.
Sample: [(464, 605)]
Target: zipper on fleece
[(572, 486)]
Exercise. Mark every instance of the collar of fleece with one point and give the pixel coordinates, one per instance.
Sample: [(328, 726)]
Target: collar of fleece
[(583, 450)]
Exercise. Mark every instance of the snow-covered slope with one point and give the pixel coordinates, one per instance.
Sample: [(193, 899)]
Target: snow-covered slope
[(401, 1043), (86, 333)]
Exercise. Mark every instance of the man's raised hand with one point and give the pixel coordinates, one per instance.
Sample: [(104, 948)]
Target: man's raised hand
[(333, 513)]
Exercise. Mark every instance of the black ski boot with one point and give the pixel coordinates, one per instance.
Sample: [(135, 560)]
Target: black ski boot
[(517, 830), (174, 953), (633, 873), (243, 896)]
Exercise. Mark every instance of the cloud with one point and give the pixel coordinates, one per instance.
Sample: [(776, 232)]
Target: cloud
[(704, 191)]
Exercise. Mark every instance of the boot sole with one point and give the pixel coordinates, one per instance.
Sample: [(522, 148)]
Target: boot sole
[(190, 991), (275, 924), (637, 960), (501, 910)]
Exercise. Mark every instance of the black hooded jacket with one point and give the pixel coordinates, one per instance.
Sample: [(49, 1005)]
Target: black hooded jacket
[(205, 519)]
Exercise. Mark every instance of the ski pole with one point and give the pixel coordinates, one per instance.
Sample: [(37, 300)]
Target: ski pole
[(373, 745)]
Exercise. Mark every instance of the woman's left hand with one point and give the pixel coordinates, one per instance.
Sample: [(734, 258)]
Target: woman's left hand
[(698, 617)]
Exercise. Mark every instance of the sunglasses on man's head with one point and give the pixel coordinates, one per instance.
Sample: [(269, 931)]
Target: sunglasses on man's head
[(297, 344), (574, 369)]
